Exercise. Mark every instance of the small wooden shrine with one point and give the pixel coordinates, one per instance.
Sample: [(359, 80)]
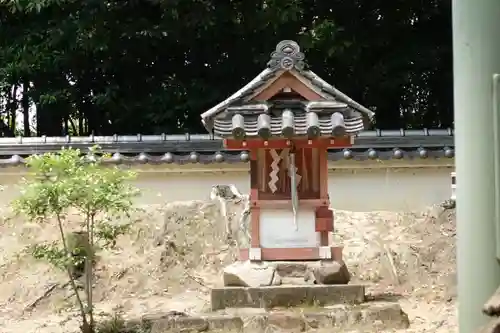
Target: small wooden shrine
[(287, 118)]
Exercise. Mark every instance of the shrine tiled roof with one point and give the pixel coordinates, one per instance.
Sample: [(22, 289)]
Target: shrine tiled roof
[(206, 149), (300, 118), (333, 114)]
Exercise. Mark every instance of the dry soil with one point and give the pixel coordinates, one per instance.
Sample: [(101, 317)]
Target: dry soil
[(175, 253)]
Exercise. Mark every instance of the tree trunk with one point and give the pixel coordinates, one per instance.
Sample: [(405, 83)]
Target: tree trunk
[(26, 109)]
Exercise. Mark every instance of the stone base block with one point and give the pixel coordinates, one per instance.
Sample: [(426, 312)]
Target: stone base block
[(260, 274), (298, 253), (286, 296), (368, 317)]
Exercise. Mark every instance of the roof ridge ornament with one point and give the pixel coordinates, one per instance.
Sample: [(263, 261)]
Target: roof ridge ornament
[(287, 56)]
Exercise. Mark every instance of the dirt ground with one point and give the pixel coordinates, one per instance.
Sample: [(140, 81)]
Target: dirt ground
[(175, 253)]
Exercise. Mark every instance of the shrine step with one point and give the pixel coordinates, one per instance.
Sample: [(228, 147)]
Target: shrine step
[(286, 296), (367, 317)]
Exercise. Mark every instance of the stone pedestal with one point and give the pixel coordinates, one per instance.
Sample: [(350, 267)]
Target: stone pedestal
[(274, 273), (286, 296)]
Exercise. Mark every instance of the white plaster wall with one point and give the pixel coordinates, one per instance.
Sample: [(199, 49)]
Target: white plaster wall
[(350, 189), (389, 189), (277, 228)]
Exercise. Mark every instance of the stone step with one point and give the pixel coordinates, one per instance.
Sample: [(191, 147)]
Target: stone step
[(367, 317), (286, 296)]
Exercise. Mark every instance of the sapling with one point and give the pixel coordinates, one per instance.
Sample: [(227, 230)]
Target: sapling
[(69, 182)]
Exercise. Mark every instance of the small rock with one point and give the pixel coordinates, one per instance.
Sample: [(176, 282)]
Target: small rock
[(310, 278), (248, 274), (179, 324), (224, 323), (292, 269), (295, 281), (433, 212), (286, 322), (331, 273), (277, 280)]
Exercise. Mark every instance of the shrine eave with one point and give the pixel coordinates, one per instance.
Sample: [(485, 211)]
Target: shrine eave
[(206, 149), (295, 119)]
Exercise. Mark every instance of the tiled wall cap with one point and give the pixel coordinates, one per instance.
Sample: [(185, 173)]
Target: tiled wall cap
[(423, 153), (357, 154), (219, 158), (347, 154), (193, 157), (449, 152), (398, 153), (117, 158), (372, 154), (168, 158), (143, 158), (244, 157)]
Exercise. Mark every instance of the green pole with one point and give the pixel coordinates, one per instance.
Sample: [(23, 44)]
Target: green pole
[(476, 58)]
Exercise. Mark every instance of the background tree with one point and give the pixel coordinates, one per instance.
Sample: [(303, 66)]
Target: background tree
[(152, 66)]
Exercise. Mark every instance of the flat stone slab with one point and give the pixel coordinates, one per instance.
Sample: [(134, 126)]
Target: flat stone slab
[(286, 296), (367, 317)]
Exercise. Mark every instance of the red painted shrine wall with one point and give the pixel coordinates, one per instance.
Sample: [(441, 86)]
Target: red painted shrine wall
[(306, 160)]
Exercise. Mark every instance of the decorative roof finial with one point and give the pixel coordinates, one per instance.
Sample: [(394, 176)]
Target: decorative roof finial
[(287, 56)]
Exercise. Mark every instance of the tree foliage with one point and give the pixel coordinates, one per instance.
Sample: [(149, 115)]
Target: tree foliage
[(152, 66), (69, 182)]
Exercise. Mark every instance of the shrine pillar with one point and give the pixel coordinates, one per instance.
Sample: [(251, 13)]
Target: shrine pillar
[(476, 58)]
